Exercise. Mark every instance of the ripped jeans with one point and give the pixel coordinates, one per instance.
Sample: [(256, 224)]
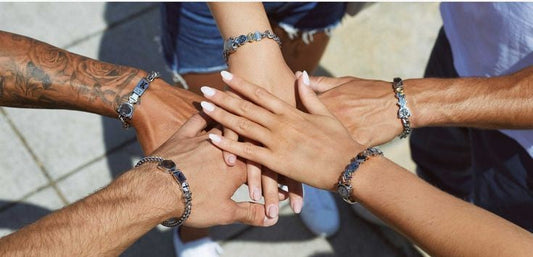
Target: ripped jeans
[(192, 43)]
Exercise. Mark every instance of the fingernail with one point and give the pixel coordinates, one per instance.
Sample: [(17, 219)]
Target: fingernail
[(215, 138), (207, 91), (226, 75), (298, 74), (272, 211), (256, 194), (208, 107), (267, 222), (305, 77), (231, 159), (297, 205)]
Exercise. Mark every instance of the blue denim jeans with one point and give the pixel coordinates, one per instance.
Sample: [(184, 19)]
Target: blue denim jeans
[(192, 43)]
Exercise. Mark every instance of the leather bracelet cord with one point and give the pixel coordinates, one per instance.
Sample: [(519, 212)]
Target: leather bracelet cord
[(125, 110), (403, 112), (231, 44), (344, 187), (170, 167)]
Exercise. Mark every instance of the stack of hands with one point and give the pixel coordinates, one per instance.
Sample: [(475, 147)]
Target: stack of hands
[(310, 146)]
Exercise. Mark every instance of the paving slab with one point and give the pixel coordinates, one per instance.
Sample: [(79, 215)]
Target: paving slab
[(61, 24), (34, 207), (66, 140), (20, 173), (383, 41), (99, 173)]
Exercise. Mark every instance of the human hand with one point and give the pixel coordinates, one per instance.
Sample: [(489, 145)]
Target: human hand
[(211, 181), (161, 112), (367, 108), (277, 78), (312, 148)]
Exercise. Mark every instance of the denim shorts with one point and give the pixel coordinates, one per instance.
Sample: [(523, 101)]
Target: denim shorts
[(192, 43)]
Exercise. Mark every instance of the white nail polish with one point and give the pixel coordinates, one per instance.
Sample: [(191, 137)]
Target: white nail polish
[(207, 91), (226, 75), (208, 107), (305, 78), (214, 138)]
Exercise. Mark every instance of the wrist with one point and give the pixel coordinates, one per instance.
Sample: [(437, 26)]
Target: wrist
[(431, 101), (262, 63), (160, 192)]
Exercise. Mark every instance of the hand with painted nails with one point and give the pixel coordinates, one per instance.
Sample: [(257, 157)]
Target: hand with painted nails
[(312, 148)]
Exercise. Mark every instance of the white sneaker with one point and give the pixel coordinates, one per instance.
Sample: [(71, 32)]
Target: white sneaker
[(367, 215), (320, 213), (204, 247)]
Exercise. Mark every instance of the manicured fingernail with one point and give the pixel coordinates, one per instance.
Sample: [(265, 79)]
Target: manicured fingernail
[(226, 75), (305, 77), (231, 159), (297, 205), (207, 106), (256, 194), (298, 74), (273, 211), (215, 138), (207, 91)]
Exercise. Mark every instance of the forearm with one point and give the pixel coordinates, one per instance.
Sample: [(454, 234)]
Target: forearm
[(438, 222), (499, 103), (103, 224), (259, 62), (34, 74)]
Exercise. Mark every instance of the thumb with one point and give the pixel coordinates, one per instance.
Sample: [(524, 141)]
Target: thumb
[(253, 214), (309, 98), (192, 126)]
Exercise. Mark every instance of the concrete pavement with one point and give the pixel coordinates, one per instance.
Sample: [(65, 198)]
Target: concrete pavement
[(51, 158)]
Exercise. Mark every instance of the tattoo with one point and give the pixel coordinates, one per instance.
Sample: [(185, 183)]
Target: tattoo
[(35, 74)]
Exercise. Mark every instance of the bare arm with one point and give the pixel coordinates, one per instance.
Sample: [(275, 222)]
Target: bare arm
[(260, 62), (504, 102), (34, 74), (438, 222), (107, 222), (368, 107)]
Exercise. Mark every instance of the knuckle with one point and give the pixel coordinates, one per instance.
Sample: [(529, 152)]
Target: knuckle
[(252, 214), (248, 148), (259, 91), (243, 124), (245, 107)]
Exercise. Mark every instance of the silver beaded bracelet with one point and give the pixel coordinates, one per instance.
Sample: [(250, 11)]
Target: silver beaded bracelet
[(231, 44), (125, 110), (403, 112), (170, 167), (344, 187)]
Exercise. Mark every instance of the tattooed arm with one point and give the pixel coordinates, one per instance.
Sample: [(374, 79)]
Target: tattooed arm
[(34, 74)]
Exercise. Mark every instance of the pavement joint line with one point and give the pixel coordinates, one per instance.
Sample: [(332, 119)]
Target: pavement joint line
[(51, 184), (23, 198), (111, 26), (98, 158), (34, 156)]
